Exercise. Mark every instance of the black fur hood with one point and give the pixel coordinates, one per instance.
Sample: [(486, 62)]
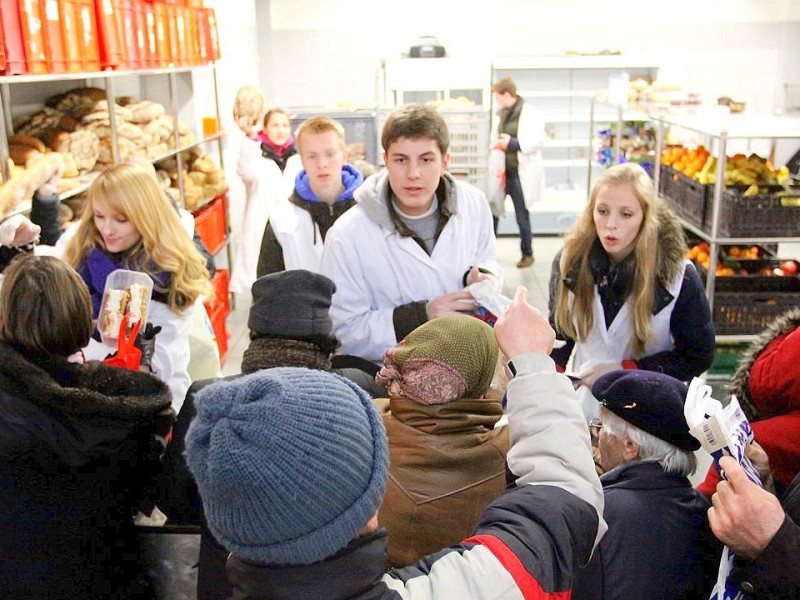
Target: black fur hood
[(76, 410)]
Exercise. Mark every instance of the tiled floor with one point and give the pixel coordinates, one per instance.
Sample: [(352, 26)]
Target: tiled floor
[(535, 278)]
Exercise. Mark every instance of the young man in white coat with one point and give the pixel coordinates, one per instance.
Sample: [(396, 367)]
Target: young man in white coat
[(415, 239), (520, 132)]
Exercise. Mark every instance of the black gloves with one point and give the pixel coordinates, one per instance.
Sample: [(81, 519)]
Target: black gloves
[(146, 342)]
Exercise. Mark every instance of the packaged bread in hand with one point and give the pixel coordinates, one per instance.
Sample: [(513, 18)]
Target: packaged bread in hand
[(126, 298)]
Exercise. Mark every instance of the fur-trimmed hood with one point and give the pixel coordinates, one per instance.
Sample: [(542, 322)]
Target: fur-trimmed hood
[(740, 380), (80, 411), (671, 246), (670, 259)]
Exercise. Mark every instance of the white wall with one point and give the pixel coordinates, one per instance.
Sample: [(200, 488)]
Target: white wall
[(326, 52)]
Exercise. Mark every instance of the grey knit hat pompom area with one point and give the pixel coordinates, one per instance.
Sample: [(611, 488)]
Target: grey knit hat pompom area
[(291, 463)]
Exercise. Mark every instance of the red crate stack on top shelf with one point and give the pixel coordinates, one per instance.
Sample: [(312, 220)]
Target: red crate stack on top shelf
[(210, 223), (30, 19), (79, 30), (55, 49), (132, 34), (110, 26)]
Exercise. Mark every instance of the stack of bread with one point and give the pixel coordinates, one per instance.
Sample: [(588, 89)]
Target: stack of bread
[(202, 177), (22, 183), (77, 125)]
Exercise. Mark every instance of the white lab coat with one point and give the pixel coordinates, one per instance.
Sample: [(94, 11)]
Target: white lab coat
[(615, 343), (265, 187), (531, 136), (376, 269)]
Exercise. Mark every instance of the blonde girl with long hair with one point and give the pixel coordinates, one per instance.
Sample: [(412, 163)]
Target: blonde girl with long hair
[(622, 295), (128, 223)]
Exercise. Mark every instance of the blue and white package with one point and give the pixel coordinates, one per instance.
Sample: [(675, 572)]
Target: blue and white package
[(722, 431)]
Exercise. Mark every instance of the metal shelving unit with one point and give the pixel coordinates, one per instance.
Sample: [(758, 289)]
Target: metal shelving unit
[(721, 128), (563, 88)]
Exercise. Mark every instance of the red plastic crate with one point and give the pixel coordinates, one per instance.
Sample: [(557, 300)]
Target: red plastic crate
[(133, 34), (194, 36), (218, 310), (11, 38), (219, 325), (79, 30), (181, 30), (55, 50), (209, 222), (163, 41), (220, 281), (71, 34), (209, 36), (150, 57), (110, 27), (30, 19), (2, 46)]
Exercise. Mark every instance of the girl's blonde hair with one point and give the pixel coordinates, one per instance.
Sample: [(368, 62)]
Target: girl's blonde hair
[(577, 321), (133, 191)]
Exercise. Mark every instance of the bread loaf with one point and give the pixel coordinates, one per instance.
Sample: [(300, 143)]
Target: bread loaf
[(28, 140)]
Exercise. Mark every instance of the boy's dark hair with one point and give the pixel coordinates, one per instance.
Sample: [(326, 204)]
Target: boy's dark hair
[(45, 307), (416, 121), (505, 85)]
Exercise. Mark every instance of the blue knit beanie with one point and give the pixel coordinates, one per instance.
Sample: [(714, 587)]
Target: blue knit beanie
[(291, 463)]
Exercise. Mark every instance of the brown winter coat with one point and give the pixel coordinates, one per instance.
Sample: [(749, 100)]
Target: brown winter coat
[(446, 464)]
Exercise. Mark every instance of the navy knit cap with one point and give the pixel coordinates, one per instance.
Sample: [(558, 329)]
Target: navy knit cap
[(651, 401), (291, 463), (291, 304)]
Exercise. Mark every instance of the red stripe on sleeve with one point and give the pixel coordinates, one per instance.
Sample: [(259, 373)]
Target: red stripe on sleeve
[(531, 589)]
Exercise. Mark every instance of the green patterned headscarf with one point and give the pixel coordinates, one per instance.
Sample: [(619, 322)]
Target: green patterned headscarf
[(445, 359)]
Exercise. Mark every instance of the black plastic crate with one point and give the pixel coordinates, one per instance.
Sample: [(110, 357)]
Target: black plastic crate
[(692, 199), (748, 313), (755, 279), (762, 215)]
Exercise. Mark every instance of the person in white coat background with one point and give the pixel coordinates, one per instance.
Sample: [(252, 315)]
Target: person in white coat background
[(414, 240), (268, 165), (519, 134)]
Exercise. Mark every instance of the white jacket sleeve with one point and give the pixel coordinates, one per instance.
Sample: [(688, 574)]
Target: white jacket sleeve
[(530, 133), (550, 442), (485, 251), (363, 328), (171, 357), (251, 162)]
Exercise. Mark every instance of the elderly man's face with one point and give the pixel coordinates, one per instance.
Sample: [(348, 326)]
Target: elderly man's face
[(612, 450)]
